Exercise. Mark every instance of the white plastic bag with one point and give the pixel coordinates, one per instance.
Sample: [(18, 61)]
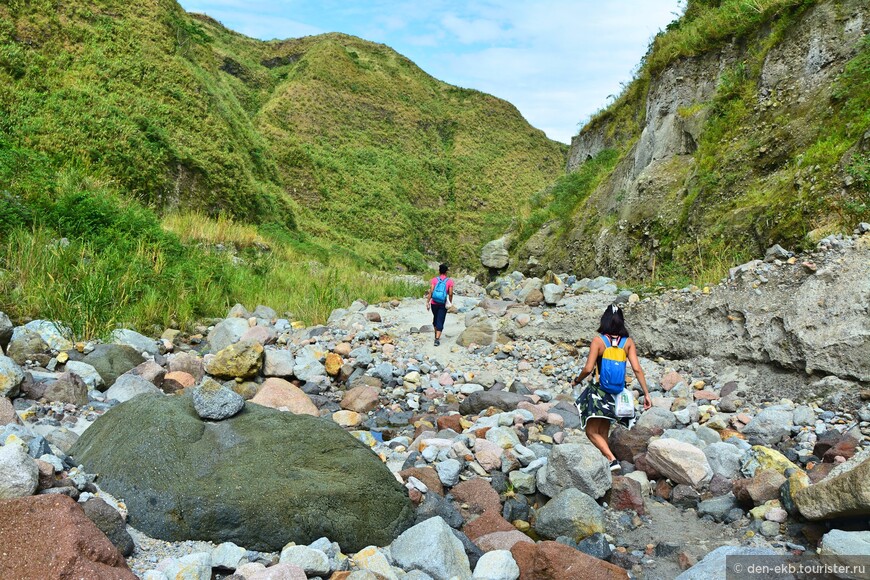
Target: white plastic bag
[(625, 403)]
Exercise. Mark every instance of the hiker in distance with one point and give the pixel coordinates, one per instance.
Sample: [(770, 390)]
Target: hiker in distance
[(438, 298), (608, 400)]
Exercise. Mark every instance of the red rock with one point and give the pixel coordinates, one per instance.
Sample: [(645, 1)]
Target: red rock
[(280, 394), (539, 412), (626, 494), (663, 489), (642, 464), (706, 396), (491, 521), (844, 448), (453, 422), (361, 399), (670, 380), (686, 560), (7, 413), (759, 489), (502, 540), (49, 537), (555, 561), (427, 475), (46, 474), (820, 471), (261, 334), (177, 381), (628, 444), (478, 494)]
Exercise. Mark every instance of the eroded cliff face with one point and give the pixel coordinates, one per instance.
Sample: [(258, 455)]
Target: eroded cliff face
[(719, 154)]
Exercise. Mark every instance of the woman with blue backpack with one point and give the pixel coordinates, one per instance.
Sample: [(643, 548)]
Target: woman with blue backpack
[(608, 400), (439, 296)]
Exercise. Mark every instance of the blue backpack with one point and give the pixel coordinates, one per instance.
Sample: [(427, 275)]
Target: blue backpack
[(612, 374), (439, 294)]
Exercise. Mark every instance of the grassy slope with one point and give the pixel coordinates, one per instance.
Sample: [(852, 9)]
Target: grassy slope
[(338, 137), (116, 113), (760, 175)]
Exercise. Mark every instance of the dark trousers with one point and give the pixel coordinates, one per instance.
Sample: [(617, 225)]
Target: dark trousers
[(439, 313)]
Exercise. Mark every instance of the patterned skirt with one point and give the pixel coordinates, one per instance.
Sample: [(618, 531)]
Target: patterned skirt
[(594, 403)]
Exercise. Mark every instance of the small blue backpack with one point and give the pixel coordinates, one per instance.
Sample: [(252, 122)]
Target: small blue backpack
[(612, 377), (439, 294)]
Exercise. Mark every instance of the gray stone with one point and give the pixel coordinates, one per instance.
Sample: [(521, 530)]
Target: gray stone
[(776, 252), (496, 565), (228, 555), (842, 543), (448, 471), (362, 355), (718, 507), (110, 522), (111, 361), (54, 335), (575, 466), (278, 363), (135, 340), (712, 567), (495, 254), (313, 562), (308, 365), (804, 416), (481, 333), (214, 401), (85, 372), (128, 386), (707, 436), (11, 376), (18, 472), (25, 343), (571, 513), (523, 483), (227, 332), (477, 402), (656, 418), (770, 425), (431, 547), (681, 462), (724, 459), (553, 293), (62, 438), (196, 566), (68, 388), (434, 505), (842, 494), (163, 459), (265, 313)]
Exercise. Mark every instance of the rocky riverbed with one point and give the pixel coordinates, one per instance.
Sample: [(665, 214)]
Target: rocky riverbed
[(254, 447)]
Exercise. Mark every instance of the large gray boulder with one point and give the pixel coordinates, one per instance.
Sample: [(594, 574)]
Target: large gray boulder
[(770, 425), (227, 332), (25, 343), (135, 340), (679, 461), (53, 334), (113, 360), (572, 513), (574, 465), (481, 333), (495, 254), (18, 472), (724, 459), (839, 495), (128, 386), (431, 547), (259, 479)]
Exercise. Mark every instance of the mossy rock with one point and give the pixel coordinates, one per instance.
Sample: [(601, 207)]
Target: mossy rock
[(260, 479)]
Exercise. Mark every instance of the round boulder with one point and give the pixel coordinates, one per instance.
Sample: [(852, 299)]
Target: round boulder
[(259, 479)]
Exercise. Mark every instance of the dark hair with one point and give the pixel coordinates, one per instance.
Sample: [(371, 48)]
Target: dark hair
[(613, 322), (442, 269)]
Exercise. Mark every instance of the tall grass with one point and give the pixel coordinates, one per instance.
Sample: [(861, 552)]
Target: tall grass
[(150, 288)]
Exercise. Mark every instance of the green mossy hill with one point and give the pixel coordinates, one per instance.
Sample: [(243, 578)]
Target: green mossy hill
[(329, 137), (261, 479), (746, 125)]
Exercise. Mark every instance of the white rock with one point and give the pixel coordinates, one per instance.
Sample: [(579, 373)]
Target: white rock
[(314, 562), (496, 565), (18, 472)]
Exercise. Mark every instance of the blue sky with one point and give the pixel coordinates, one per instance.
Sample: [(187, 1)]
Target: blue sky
[(557, 61)]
